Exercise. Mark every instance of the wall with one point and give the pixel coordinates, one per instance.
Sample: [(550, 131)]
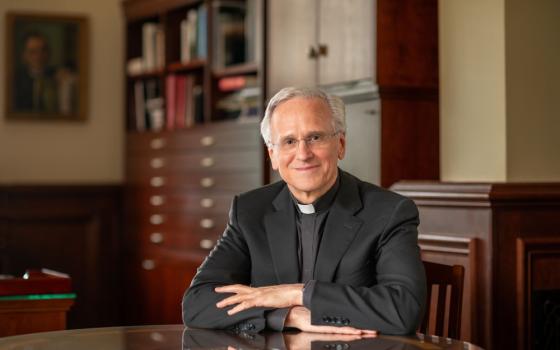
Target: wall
[(499, 90), (472, 90), (533, 90), (68, 152)]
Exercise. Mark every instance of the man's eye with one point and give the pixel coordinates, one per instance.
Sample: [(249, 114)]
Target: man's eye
[(289, 142), (315, 138)]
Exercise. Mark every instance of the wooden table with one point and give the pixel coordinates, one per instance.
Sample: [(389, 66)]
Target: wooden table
[(178, 337)]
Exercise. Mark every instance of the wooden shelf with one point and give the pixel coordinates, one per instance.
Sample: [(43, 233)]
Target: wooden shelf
[(240, 69), (156, 73), (180, 67)]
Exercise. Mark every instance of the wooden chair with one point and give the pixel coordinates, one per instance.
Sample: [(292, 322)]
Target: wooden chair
[(445, 311)]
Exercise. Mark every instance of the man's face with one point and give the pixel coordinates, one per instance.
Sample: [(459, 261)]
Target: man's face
[(36, 54), (308, 169)]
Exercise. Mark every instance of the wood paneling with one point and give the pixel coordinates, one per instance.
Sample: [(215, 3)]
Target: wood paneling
[(72, 229), (514, 250), (407, 75)]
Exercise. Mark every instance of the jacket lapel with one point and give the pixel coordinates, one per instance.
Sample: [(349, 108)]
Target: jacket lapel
[(280, 227), (340, 229)]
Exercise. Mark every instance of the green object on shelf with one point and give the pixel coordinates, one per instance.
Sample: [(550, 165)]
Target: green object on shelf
[(39, 296)]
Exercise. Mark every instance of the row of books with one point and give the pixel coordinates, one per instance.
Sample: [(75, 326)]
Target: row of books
[(193, 36), (235, 32), (182, 106)]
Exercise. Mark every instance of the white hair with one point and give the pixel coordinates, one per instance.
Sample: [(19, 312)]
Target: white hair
[(335, 104)]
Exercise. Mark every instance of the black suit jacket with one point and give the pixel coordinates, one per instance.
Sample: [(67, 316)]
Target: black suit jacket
[(368, 269)]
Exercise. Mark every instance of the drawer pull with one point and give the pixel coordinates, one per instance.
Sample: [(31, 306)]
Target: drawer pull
[(207, 202), (207, 182), (207, 223), (156, 238), (207, 141), (206, 244), (157, 200), (207, 162), (157, 181), (156, 219), (157, 163), (148, 264), (157, 143)]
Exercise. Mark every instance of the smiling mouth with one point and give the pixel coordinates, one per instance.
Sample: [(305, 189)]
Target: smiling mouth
[(306, 168)]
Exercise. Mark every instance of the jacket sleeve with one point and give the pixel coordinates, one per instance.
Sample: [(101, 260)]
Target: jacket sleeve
[(228, 263), (394, 304)]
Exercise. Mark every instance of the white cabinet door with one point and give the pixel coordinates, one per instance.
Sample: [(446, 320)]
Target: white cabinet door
[(291, 32), (347, 31)]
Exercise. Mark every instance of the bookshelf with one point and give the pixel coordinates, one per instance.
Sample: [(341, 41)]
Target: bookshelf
[(177, 55), (194, 94)]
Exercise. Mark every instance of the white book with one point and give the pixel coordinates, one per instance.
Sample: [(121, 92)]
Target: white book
[(149, 45)]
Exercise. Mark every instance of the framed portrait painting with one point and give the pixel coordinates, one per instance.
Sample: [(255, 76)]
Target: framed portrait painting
[(46, 67)]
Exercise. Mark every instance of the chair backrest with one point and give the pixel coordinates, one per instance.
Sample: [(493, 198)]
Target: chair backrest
[(448, 281)]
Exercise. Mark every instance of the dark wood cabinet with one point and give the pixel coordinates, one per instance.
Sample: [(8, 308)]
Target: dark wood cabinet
[(192, 140), (506, 237)]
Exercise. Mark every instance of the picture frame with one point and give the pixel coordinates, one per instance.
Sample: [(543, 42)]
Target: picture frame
[(47, 67)]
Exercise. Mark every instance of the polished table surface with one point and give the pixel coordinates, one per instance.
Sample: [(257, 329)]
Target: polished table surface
[(178, 337)]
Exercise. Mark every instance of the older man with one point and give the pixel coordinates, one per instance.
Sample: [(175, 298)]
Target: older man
[(320, 251)]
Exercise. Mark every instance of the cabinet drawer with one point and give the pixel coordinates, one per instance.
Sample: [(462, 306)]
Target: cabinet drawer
[(247, 160), (186, 202), (189, 224), (212, 137), (168, 239), (205, 182)]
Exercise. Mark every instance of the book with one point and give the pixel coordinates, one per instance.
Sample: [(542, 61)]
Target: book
[(149, 32), (170, 100), (202, 32), (139, 106)]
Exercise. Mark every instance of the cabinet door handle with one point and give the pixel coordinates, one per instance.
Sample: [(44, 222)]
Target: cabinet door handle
[(323, 50), (158, 143), (206, 244), (148, 264), (157, 200), (312, 52), (207, 223), (207, 141), (207, 182), (156, 219), (207, 202), (156, 238), (157, 163), (207, 162), (157, 181)]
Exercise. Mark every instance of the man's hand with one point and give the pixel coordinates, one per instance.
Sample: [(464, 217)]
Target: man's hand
[(300, 317), (279, 296), (305, 340)]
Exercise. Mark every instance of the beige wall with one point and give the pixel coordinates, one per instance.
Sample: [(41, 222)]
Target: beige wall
[(472, 88), (65, 152), (533, 90), (500, 90)]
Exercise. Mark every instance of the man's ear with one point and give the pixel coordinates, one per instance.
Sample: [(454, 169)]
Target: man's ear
[(273, 160), (342, 146)]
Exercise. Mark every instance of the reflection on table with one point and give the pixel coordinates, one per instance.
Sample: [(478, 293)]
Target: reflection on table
[(177, 337)]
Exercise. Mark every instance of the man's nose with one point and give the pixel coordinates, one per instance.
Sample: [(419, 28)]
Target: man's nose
[(303, 151)]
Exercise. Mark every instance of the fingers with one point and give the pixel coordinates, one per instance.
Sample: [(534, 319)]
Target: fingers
[(342, 330), (233, 288)]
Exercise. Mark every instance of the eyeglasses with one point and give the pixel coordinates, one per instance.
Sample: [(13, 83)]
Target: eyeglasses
[(313, 141)]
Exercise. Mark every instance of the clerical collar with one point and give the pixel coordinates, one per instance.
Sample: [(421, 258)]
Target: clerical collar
[(322, 203)]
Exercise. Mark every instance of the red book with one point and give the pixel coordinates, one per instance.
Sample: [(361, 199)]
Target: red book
[(170, 103), (36, 282), (180, 110)]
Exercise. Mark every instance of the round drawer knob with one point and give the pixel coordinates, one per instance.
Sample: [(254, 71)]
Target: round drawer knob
[(206, 244), (207, 162), (207, 182), (207, 202), (207, 223), (157, 200), (148, 264), (157, 143), (156, 238), (207, 141), (157, 163), (156, 219), (157, 181)]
